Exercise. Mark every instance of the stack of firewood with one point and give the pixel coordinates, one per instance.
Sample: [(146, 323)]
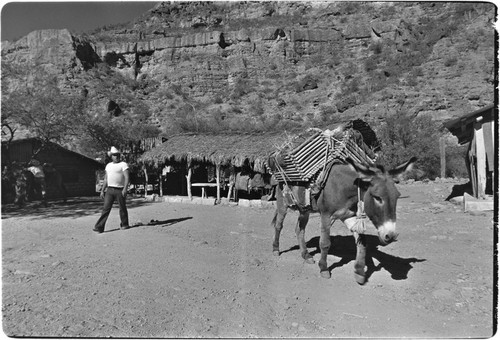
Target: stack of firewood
[(303, 157)]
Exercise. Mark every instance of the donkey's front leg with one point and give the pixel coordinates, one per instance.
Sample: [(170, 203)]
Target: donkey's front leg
[(300, 231), (277, 224), (359, 266), (324, 244)]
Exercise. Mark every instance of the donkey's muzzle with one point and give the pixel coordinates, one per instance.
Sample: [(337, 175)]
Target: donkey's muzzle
[(387, 233)]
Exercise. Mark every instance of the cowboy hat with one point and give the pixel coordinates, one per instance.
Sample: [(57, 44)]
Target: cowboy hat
[(113, 151)]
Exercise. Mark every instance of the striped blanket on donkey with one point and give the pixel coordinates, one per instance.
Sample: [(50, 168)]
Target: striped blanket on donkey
[(301, 165)]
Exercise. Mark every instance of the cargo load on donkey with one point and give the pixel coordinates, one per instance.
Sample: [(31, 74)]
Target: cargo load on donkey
[(303, 162)]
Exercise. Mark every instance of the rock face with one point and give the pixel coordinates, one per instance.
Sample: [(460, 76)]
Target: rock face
[(52, 46), (296, 60)]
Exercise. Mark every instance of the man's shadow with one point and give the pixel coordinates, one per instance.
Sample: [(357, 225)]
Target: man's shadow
[(167, 223), (164, 223), (345, 248)]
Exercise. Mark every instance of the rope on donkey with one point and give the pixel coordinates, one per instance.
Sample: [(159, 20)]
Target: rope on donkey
[(284, 175), (359, 226)]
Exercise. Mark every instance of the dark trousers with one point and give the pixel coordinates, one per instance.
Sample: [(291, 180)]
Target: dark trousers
[(109, 199)]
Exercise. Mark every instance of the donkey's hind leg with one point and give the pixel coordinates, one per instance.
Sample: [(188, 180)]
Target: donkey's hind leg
[(300, 231), (324, 244)]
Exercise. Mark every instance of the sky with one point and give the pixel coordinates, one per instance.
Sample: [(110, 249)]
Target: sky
[(20, 18)]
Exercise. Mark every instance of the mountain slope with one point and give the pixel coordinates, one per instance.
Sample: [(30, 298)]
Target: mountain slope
[(271, 65)]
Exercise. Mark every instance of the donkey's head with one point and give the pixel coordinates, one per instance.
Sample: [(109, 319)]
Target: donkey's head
[(381, 195)]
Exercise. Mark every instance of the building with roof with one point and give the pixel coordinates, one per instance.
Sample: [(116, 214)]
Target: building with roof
[(478, 129), (204, 156), (78, 171)]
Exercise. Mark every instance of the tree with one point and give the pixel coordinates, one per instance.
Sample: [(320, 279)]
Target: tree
[(36, 103), (403, 136), (115, 114), (8, 125)]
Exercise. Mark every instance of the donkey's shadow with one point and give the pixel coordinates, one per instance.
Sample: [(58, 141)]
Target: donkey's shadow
[(345, 248)]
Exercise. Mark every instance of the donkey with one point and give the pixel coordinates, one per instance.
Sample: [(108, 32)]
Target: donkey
[(345, 184)]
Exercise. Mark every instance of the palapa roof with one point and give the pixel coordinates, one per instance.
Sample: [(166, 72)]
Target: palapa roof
[(219, 148)]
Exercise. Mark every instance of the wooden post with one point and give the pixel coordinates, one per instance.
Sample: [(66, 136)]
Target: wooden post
[(471, 158), (145, 180), (217, 172), (442, 152), (161, 183), (492, 168), (481, 158), (232, 179), (188, 179)]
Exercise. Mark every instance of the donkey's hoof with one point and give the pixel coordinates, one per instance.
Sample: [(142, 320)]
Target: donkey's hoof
[(326, 274), (360, 279), (309, 260), (276, 252)]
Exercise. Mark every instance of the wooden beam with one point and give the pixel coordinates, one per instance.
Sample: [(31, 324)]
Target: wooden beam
[(475, 204), (481, 160)]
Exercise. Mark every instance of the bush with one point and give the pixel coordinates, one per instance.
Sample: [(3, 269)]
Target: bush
[(370, 64), (376, 47), (309, 82), (345, 103), (455, 161), (177, 89), (328, 115), (450, 61), (404, 136), (241, 88)]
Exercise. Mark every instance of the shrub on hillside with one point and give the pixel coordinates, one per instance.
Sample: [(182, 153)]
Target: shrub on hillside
[(327, 115), (345, 103), (307, 83), (371, 64), (377, 47), (177, 89), (403, 136), (256, 107), (241, 88), (450, 61)]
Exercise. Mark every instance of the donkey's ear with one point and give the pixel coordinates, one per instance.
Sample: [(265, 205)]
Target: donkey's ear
[(365, 173), (398, 171)]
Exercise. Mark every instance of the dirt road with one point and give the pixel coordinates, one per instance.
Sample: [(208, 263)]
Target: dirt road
[(209, 271)]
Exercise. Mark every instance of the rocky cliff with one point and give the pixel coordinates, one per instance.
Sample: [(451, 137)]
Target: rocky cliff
[(267, 61)]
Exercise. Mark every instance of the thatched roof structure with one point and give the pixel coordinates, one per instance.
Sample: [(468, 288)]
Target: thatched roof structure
[(223, 149)]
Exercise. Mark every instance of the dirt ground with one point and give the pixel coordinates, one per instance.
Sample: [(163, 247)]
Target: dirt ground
[(208, 271)]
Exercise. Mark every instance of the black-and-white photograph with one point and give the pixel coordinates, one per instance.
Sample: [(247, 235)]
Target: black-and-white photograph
[(249, 169)]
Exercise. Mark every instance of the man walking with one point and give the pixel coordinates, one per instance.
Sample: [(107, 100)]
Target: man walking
[(116, 181)]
